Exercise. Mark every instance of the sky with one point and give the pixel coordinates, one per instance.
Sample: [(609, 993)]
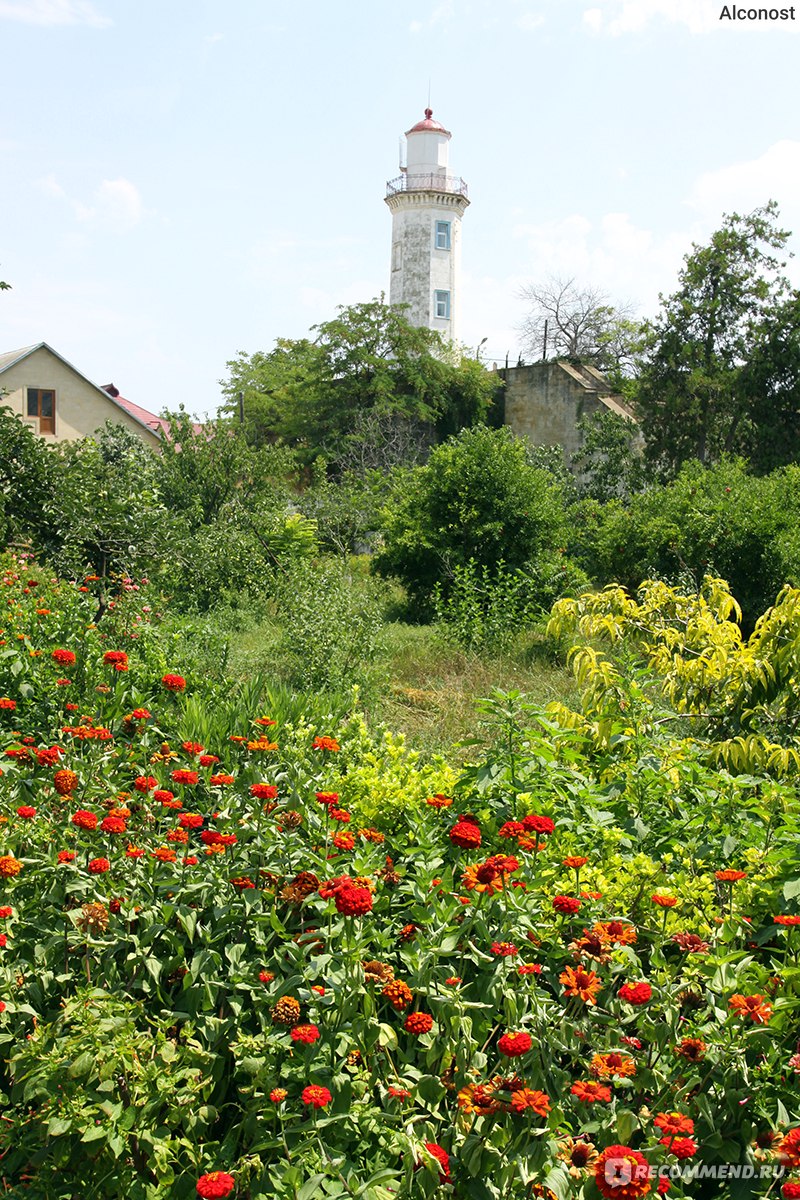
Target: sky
[(183, 180)]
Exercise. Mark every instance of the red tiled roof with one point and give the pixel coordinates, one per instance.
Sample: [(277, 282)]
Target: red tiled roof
[(157, 424)]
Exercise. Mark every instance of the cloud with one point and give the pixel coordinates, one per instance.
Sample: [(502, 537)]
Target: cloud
[(743, 186), (631, 264), (529, 21), (441, 15), (116, 204), (53, 12), (616, 17)]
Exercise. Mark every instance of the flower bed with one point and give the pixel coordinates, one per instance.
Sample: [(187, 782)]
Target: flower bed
[(215, 980)]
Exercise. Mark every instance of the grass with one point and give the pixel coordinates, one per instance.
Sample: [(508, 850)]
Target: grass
[(425, 685)]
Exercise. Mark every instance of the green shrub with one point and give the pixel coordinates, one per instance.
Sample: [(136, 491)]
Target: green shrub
[(477, 500), (709, 521), (331, 619)]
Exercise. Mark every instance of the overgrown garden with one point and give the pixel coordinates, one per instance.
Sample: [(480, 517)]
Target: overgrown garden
[(388, 811)]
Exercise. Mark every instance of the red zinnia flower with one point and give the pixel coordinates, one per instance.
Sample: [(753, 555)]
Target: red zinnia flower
[(344, 841), (512, 1045), (208, 760), (174, 683), (353, 901), (191, 820), (145, 783), (590, 1092), (48, 757), (221, 780), (636, 993), (788, 1149), (185, 777), (536, 824), (84, 819), (418, 1023), (113, 825), (278, 1095), (115, 658), (674, 1123), (316, 1096), (566, 904), (263, 791), (215, 1186), (308, 1034), (466, 833), (7, 703), (681, 1147), (622, 1174), (26, 811), (66, 856), (64, 658), (529, 969), (504, 949), (441, 1156), (786, 920), (98, 866)]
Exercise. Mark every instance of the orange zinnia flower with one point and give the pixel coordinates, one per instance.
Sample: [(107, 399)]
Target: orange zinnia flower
[(604, 1066), (619, 933), (526, 1098), (581, 983), (756, 1007)]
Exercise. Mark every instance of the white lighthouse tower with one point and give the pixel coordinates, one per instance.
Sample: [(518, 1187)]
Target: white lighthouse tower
[(427, 204)]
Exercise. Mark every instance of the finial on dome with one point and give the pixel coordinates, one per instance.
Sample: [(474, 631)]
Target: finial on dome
[(428, 113)]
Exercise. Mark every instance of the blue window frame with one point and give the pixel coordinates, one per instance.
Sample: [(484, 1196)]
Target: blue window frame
[(442, 237), (441, 305)]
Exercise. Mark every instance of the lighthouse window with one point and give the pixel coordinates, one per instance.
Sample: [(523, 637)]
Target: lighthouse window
[(441, 304), (442, 235)]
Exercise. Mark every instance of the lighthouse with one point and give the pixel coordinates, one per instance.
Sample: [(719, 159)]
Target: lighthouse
[(427, 204)]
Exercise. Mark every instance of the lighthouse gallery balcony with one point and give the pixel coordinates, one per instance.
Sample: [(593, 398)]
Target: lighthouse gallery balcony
[(434, 181)]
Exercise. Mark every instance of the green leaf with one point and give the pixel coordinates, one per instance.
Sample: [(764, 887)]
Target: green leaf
[(558, 1182), (310, 1189), (57, 1126), (82, 1065), (791, 889), (94, 1133)]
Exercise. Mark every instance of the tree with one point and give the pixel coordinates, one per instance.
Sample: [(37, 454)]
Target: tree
[(313, 395), (30, 476), (610, 464), (476, 501), (769, 384), (689, 397), (566, 321)]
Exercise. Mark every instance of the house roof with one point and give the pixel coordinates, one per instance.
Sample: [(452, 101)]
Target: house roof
[(157, 424), (149, 421)]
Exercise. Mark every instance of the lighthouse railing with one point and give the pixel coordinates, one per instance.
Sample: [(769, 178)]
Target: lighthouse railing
[(432, 182)]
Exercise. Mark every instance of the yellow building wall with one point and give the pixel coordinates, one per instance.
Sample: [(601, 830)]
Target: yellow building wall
[(80, 409)]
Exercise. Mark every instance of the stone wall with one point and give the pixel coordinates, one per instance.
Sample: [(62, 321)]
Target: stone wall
[(544, 402)]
